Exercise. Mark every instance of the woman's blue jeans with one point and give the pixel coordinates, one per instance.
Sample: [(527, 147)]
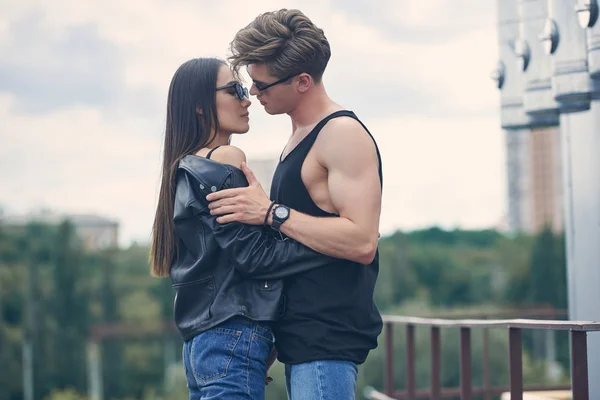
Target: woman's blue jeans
[(228, 361)]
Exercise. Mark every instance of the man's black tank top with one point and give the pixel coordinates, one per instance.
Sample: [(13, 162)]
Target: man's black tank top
[(329, 311)]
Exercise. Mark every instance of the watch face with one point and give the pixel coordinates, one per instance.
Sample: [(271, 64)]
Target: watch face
[(281, 212)]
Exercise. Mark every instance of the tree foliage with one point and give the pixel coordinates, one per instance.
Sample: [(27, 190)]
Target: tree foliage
[(54, 293)]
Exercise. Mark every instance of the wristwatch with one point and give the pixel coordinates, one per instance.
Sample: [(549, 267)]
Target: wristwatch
[(280, 214)]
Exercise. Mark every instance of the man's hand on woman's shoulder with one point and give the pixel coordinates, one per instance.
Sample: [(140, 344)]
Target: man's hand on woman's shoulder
[(247, 204)]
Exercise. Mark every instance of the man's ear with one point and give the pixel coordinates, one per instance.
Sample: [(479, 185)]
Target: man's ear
[(305, 81), (199, 110)]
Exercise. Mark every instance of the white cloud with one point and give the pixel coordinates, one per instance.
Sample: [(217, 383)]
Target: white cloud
[(440, 171), (457, 71), (74, 160)]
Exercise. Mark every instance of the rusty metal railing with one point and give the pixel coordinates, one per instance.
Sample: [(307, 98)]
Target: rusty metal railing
[(579, 372)]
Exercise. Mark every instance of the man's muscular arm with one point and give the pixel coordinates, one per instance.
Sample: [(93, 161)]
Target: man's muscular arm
[(348, 153)]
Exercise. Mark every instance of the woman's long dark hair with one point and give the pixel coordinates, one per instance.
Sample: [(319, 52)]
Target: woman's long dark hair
[(187, 131)]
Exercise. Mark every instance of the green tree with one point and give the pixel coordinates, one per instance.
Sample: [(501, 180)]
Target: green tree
[(548, 281), (70, 309), (36, 245), (542, 280), (397, 280), (112, 349), (13, 275)]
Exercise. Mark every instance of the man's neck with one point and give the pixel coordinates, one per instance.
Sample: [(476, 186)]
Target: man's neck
[(314, 107)]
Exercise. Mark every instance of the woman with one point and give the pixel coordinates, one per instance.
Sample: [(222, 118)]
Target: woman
[(227, 278)]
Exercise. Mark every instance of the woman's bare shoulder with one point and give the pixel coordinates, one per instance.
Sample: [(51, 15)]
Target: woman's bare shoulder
[(229, 155)]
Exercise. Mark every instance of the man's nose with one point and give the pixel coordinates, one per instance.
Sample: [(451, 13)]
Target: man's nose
[(253, 90)]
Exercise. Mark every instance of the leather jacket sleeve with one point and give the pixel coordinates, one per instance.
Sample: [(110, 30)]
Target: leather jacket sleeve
[(255, 251)]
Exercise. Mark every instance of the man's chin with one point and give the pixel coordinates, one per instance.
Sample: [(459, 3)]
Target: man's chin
[(273, 112)]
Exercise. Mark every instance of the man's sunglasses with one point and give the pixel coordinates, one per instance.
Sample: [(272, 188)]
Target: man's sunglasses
[(240, 91), (261, 88)]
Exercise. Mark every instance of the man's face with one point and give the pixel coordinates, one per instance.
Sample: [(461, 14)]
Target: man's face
[(277, 99)]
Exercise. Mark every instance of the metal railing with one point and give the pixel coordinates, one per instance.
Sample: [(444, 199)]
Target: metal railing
[(579, 371)]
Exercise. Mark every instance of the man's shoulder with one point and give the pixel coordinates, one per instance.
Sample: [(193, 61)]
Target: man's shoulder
[(345, 130), (345, 139), (344, 122)]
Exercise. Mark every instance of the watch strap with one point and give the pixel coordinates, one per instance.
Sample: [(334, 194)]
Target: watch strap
[(276, 224), (266, 221)]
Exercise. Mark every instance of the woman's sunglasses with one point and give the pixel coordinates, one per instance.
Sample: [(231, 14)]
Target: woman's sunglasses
[(240, 91)]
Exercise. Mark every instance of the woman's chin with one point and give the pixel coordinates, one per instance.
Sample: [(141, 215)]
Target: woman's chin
[(244, 128), (240, 129)]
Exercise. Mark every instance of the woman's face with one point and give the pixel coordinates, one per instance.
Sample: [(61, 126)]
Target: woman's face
[(232, 112)]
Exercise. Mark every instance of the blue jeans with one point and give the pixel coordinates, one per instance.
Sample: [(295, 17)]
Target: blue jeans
[(321, 380), (228, 361)]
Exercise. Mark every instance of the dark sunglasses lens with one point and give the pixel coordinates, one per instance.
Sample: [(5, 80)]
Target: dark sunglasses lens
[(242, 92)]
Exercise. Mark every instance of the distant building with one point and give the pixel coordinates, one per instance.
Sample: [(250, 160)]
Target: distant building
[(95, 232), (264, 168), (549, 80), (534, 179)]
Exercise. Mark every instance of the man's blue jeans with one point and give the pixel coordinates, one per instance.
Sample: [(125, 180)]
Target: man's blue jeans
[(228, 361), (321, 380)]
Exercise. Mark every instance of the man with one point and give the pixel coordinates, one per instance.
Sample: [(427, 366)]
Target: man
[(326, 194)]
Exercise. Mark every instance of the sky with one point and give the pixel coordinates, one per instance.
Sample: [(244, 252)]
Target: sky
[(83, 88)]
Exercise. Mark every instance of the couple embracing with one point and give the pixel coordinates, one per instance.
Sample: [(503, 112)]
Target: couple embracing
[(289, 274)]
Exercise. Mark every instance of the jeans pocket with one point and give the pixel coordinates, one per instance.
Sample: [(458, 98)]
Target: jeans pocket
[(211, 353), (261, 345), (263, 333)]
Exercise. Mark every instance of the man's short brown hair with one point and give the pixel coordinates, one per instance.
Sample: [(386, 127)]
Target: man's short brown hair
[(284, 40)]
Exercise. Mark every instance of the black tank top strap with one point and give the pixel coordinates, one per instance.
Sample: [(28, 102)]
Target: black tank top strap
[(340, 113), (287, 186), (312, 136), (211, 151), (306, 143)]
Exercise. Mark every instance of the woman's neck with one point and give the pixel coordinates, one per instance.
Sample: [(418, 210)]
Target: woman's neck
[(222, 139)]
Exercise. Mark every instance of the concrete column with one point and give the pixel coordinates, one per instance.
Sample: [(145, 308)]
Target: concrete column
[(509, 77), (571, 41), (588, 19), (574, 89), (581, 160), (524, 79), (571, 83), (538, 99)]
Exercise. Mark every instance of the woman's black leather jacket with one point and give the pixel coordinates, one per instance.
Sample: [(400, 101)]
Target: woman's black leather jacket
[(222, 270)]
